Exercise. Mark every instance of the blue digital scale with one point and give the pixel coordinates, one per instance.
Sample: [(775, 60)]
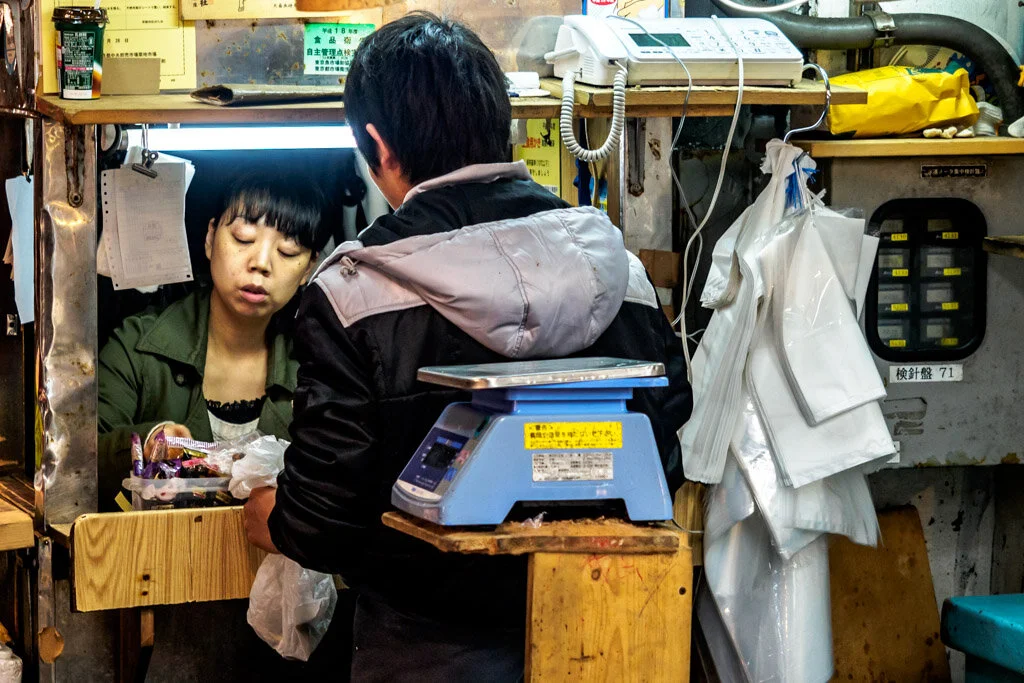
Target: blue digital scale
[(551, 431)]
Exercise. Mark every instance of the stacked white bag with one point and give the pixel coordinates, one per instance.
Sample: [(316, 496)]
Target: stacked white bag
[(786, 419)]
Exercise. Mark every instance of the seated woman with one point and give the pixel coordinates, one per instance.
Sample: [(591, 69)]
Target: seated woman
[(216, 365)]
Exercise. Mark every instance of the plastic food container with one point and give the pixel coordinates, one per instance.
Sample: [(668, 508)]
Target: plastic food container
[(79, 32), (170, 494)]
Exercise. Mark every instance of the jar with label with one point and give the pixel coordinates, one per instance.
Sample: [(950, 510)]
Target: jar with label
[(79, 33)]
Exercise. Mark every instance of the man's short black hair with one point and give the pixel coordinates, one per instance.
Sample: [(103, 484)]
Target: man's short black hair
[(435, 93), (290, 203)]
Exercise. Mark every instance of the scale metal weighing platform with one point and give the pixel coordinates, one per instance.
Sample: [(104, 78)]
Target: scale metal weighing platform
[(550, 431)]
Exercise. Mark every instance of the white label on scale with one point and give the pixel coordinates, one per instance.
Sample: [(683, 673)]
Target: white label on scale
[(926, 373), (572, 466)]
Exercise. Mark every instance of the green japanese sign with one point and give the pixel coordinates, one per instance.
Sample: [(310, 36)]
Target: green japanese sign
[(329, 47)]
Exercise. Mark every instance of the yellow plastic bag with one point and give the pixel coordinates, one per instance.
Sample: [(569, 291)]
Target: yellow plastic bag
[(903, 100)]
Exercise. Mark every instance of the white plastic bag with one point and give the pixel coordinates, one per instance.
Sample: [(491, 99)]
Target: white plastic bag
[(10, 665), (822, 347), (778, 612), (263, 461), (290, 607), (734, 289)]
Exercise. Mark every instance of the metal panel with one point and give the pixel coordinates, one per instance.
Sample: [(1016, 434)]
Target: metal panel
[(974, 422), (17, 75), (66, 475)]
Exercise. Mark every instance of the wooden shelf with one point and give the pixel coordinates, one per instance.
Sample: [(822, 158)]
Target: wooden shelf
[(655, 101), (590, 102), (911, 147), (16, 504), (590, 536), (160, 557), (181, 108)]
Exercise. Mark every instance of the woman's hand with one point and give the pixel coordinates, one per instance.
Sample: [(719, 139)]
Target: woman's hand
[(255, 515), (170, 429)]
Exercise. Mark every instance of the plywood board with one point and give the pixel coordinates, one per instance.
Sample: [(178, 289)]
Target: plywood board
[(161, 557), (512, 538), (885, 623), (358, 12), (15, 528), (609, 617)]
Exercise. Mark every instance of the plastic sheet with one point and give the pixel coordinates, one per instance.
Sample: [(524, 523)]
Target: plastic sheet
[(777, 611), (290, 607)]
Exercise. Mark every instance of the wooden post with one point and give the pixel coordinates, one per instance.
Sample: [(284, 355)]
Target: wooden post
[(135, 646), (606, 600), (609, 617)]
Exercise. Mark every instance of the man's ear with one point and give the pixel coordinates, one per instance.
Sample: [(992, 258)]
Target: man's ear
[(209, 238), (385, 155)]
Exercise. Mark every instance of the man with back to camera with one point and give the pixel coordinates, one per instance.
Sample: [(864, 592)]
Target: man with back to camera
[(478, 264)]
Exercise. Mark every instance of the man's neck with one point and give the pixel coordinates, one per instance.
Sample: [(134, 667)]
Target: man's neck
[(231, 334)]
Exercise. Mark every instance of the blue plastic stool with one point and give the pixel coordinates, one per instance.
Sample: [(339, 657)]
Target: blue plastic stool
[(989, 629)]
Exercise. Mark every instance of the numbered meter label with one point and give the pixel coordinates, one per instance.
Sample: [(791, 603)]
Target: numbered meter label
[(901, 374)]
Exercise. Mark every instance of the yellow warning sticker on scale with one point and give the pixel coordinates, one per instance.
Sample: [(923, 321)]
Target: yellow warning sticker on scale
[(951, 306), (575, 435), (950, 272), (900, 272)]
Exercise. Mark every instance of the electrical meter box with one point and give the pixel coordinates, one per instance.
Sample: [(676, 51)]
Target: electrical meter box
[(942, 316), (926, 300)]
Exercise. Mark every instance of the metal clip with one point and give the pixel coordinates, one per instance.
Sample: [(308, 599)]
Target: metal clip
[(884, 24), (148, 156)]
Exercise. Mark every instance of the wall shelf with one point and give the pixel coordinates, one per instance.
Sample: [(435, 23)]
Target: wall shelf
[(911, 147), (590, 103)]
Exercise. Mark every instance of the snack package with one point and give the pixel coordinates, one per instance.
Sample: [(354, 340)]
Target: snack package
[(903, 100)]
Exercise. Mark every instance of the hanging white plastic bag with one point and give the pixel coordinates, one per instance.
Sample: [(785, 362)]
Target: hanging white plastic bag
[(806, 453), (822, 347), (839, 504), (290, 607), (734, 289), (777, 611), (781, 161)]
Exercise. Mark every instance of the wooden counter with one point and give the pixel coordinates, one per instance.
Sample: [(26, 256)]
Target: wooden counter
[(160, 557), (16, 528)]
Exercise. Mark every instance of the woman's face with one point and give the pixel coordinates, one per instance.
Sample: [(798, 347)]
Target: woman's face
[(256, 270)]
